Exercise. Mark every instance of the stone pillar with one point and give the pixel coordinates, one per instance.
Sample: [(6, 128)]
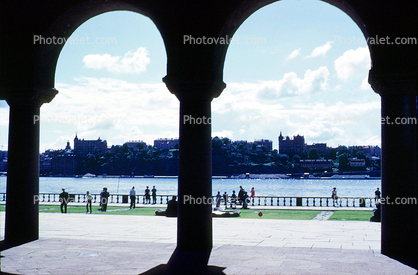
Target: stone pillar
[(22, 208), (399, 165), (194, 222)]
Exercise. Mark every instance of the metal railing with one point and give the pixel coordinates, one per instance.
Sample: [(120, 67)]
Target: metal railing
[(256, 201)]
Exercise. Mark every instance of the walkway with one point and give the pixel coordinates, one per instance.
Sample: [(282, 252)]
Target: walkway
[(119, 244)]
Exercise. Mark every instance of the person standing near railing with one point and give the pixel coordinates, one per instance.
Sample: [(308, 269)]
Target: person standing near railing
[(64, 200), (89, 198), (225, 196), (233, 200), (132, 195), (105, 198), (147, 196), (240, 194), (252, 195), (334, 196), (377, 194), (154, 195)]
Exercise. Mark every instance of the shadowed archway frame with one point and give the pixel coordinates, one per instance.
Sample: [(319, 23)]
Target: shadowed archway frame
[(195, 76)]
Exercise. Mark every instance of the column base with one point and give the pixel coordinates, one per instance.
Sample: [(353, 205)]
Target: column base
[(185, 262)]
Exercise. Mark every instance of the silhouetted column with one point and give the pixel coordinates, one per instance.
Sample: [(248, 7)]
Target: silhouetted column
[(194, 222), (399, 166), (22, 207)]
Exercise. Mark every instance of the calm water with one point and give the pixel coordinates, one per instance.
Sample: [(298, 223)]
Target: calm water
[(168, 186)]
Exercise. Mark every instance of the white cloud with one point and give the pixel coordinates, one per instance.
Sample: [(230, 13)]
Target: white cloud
[(119, 111), (113, 109), (352, 64), (321, 50), (291, 85), (335, 123), (294, 54), (365, 84), (132, 62)]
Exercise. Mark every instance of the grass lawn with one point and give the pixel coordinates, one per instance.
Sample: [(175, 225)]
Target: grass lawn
[(111, 210), (340, 215), (279, 214), (353, 215)]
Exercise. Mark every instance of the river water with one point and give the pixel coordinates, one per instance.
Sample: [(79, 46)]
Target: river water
[(168, 186)]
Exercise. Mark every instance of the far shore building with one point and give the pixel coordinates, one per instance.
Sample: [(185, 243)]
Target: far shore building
[(291, 146), (133, 144), (166, 143), (316, 163), (368, 150), (322, 149), (64, 165), (357, 163), (263, 142), (259, 144), (84, 147)]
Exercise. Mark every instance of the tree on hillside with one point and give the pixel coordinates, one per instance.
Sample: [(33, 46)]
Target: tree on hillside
[(216, 143), (313, 153)]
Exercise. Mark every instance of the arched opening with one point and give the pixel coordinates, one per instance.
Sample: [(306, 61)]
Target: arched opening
[(140, 44), (300, 66), (195, 76), (109, 80), (305, 77)]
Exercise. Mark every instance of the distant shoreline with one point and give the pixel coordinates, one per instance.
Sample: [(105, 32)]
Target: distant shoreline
[(240, 176)]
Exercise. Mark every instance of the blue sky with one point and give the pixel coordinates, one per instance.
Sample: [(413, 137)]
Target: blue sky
[(302, 75)]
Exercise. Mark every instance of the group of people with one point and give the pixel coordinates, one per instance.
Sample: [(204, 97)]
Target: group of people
[(64, 198), (242, 198), (148, 195), (335, 197)]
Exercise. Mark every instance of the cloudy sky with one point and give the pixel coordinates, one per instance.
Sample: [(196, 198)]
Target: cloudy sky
[(296, 67)]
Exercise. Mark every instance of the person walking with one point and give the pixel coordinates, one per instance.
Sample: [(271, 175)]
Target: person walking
[(154, 195), (64, 201), (89, 199), (132, 195)]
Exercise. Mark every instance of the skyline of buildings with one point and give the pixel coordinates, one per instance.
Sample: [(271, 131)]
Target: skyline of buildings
[(64, 161)]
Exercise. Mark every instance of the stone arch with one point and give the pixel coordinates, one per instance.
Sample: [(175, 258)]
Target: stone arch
[(63, 27), (248, 7)]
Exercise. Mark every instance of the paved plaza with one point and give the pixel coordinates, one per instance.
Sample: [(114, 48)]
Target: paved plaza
[(123, 244)]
